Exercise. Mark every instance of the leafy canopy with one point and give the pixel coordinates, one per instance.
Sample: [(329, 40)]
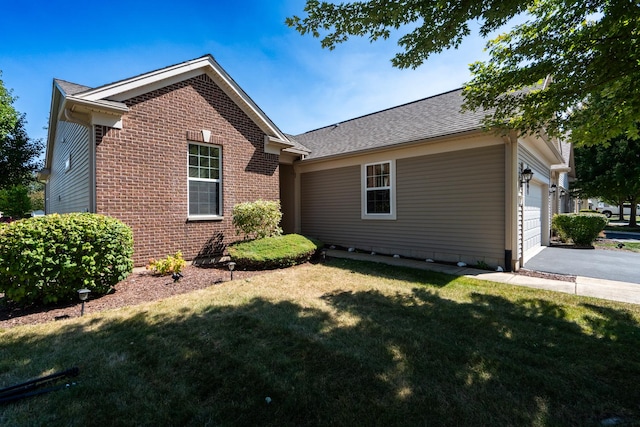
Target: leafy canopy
[(18, 154), (589, 48), (610, 173)]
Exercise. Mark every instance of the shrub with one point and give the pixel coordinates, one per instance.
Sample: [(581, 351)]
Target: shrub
[(47, 259), (171, 264), (273, 252), (581, 228), (257, 219)]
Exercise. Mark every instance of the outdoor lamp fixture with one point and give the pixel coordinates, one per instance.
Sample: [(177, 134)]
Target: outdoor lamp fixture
[(323, 254), (232, 266), (525, 176), (83, 294), (552, 189), (562, 193)]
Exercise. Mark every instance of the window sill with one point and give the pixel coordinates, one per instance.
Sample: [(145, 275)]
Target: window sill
[(204, 218), (379, 216)]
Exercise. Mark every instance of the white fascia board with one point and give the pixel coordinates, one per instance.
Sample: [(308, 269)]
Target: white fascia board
[(127, 88), (145, 83), (231, 88)]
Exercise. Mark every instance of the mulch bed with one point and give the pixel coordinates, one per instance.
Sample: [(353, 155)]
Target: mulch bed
[(141, 286)]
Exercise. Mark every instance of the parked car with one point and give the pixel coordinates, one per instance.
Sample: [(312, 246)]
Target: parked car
[(609, 210)]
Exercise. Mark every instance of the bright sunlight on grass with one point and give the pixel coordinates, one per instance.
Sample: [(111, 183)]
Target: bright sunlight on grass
[(340, 344)]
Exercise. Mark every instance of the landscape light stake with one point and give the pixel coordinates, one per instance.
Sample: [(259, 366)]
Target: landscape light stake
[(232, 266), (83, 294)]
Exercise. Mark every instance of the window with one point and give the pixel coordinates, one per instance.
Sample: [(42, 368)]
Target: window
[(378, 192), (205, 183)]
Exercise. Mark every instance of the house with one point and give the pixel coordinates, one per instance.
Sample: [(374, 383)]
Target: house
[(171, 152), (423, 180)]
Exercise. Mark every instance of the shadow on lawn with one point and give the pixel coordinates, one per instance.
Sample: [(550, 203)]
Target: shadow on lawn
[(412, 358)]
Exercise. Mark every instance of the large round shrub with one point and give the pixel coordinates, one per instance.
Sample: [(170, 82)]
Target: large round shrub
[(47, 259), (583, 229)]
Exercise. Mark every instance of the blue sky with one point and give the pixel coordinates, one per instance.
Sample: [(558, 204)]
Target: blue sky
[(299, 85)]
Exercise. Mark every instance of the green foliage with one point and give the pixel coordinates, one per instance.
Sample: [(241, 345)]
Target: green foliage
[(590, 49), (18, 154), (171, 264), (273, 252), (257, 219), (47, 259), (15, 202), (610, 173), (36, 194), (582, 229)]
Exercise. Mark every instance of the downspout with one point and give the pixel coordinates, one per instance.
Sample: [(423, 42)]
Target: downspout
[(70, 117), (510, 202)]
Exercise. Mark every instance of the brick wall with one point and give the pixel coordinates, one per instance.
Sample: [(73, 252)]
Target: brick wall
[(141, 169)]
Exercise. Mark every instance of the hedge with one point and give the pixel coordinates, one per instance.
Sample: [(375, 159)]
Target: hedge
[(273, 252), (47, 259), (583, 229)]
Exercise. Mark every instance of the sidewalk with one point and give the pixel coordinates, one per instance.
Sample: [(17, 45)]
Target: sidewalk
[(584, 286)]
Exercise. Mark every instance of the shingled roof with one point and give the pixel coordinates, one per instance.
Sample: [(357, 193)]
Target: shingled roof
[(420, 120), (71, 88)]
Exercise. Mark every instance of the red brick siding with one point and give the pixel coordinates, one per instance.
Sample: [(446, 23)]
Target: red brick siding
[(141, 169)]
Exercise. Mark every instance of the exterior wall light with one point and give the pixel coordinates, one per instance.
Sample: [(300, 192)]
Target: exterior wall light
[(552, 189), (525, 176), (83, 294)]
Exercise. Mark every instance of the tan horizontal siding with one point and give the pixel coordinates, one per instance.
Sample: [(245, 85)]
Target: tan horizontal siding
[(450, 206), (68, 190)]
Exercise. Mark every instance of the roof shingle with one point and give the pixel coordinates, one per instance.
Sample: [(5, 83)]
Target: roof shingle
[(424, 119)]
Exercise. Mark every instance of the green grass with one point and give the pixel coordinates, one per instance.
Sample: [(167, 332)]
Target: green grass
[(624, 227), (340, 344), (628, 246)]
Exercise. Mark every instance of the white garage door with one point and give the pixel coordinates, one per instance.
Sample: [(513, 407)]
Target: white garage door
[(532, 218)]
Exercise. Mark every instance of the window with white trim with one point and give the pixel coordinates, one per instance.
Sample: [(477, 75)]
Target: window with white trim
[(378, 190), (205, 181)]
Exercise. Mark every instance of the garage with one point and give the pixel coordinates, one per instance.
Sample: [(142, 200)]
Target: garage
[(532, 219)]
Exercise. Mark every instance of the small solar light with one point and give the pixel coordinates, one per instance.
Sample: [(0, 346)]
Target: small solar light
[(83, 294), (232, 266), (323, 254)]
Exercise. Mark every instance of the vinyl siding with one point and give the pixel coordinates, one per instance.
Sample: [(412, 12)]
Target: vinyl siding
[(450, 207), (68, 190)]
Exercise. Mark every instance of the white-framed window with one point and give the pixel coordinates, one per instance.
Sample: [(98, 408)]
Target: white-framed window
[(378, 190), (204, 181)]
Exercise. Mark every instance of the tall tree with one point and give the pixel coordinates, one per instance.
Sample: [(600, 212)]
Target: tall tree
[(591, 50), (611, 173), (18, 154)]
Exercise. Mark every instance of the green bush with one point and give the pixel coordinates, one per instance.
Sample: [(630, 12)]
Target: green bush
[(47, 259), (171, 264), (273, 252), (257, 219), (582, 229)]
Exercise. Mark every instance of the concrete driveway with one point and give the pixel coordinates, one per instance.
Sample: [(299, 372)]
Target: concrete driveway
[(623, 266)]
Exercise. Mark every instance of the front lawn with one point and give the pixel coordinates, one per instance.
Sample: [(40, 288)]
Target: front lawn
[(338, 344)]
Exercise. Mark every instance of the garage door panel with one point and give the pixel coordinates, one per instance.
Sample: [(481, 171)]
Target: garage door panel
[(532, 231)]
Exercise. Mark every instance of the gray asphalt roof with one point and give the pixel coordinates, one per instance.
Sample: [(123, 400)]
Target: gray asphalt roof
[(71, 88), (427, 118)]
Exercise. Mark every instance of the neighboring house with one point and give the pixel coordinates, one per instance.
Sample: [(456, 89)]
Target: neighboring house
[(168, 152), (172, 151), (423, 180)]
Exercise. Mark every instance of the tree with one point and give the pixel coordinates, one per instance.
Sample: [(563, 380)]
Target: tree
[(611, 173), (590, 50), (18, 154), (15, 202)]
